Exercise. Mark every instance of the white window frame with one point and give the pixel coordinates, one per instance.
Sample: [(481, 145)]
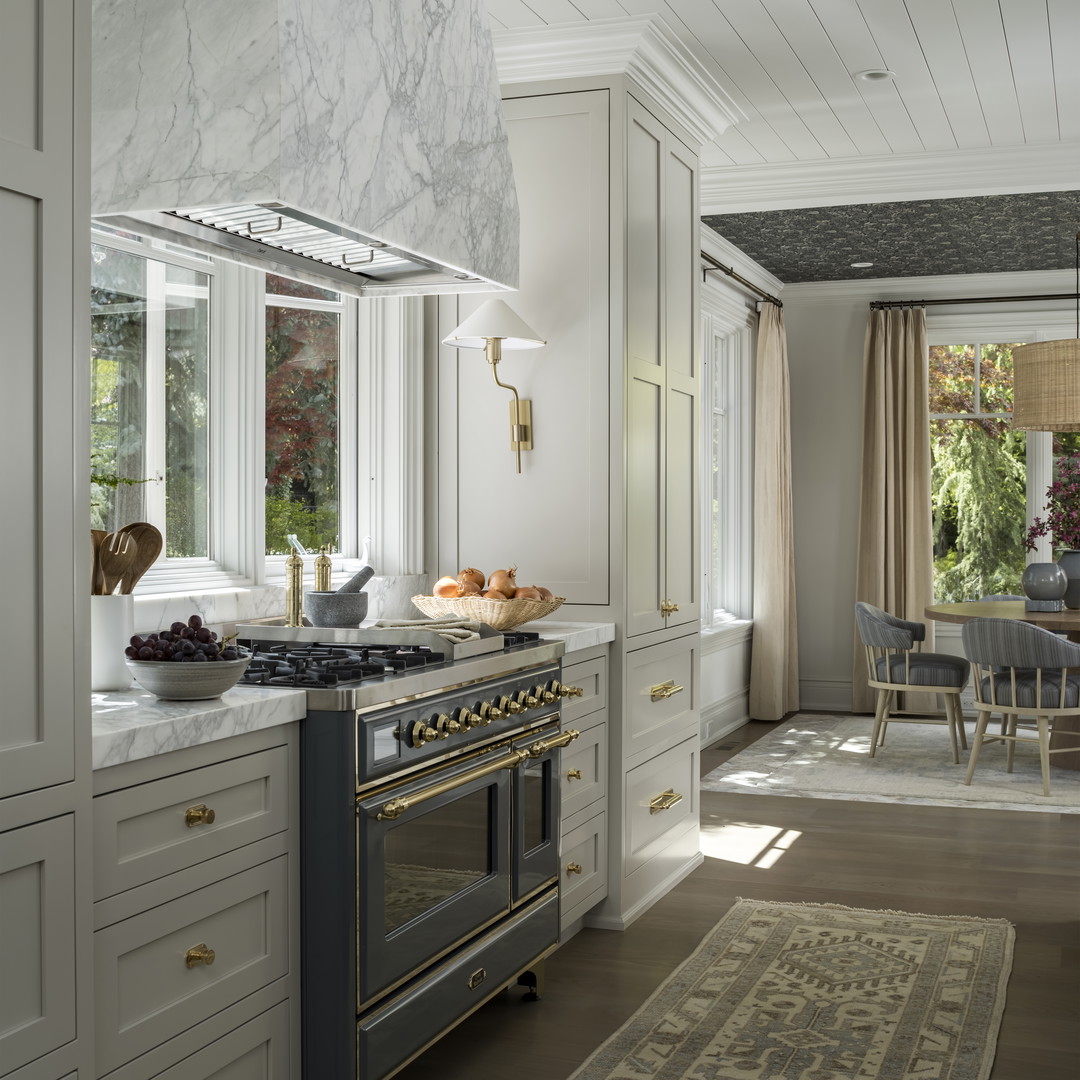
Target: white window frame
[(1012, 326), (380, 431)]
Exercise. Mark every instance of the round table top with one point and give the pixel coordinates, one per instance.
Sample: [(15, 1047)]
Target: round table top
[(1068, 620)]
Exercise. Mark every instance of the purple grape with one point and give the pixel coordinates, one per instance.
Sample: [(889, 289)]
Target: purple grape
[(177, 627), (203, 634), (136, 641), (146, 653), (195, 621), (199, 656), (131, 652)]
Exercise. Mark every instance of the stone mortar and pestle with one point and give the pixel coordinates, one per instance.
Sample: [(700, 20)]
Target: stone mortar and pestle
[(346, 607)]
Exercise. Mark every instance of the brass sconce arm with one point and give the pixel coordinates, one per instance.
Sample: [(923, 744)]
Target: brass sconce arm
[(520, 411)]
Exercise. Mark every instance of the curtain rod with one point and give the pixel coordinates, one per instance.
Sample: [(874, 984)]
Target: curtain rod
[(738, 277), (882, 305)]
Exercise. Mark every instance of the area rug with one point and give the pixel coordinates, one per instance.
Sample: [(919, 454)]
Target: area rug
[(828, 757), (821, 992)]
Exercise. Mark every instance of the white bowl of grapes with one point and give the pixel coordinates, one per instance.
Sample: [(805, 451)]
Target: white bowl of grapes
[(187, 662)]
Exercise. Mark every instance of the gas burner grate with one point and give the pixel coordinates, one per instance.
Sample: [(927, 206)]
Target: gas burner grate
[(317, 665)]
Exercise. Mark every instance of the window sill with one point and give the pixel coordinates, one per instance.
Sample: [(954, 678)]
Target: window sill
[(726, 635)]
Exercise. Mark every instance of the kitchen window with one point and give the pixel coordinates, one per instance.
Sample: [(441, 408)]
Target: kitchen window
[(232, 407)]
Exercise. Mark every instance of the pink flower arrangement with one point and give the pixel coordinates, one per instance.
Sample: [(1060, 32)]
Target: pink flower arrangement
[(1062, 508)]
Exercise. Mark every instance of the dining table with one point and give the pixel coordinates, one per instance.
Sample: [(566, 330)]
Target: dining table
[(1066, 621)]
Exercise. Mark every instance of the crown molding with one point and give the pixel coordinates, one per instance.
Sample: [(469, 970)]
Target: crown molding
[(723, 251), (890, 178), (641, 47)]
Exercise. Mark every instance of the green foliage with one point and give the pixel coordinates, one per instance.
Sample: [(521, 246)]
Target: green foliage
[(314, 526)]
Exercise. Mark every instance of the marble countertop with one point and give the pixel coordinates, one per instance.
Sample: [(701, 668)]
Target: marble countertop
[(133, 724)]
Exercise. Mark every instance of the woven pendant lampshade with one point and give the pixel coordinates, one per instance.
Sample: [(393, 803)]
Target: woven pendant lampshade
[(1046, 379)]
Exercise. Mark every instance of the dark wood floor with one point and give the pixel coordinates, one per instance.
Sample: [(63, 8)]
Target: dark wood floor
[(1024, 867)]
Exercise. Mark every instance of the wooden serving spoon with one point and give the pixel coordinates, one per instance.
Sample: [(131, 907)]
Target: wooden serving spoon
[(96, 536), (116, 554), (148, 543)]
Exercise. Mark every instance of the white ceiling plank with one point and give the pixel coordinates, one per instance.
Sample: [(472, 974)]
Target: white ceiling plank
[(1027, 27), (556, 11), (859, 51), (734, 146), (943, 48), (807, 37), (601, 9), (800, 94), (1065, 44), (900, 49), (511, 14), (988, 55)]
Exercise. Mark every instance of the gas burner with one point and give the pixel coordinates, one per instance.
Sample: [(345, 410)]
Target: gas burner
[(319, 665)]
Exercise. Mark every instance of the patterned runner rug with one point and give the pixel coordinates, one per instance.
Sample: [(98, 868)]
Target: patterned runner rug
[(817, 756), (821, 992)]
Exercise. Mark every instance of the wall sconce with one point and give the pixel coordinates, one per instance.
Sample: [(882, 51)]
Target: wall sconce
[(494, 326)]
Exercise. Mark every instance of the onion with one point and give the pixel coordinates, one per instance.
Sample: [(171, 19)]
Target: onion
[(468, 587), (447, 588), (527, 592), (494, 594), (503, 580), (545, 594), (470, 573)]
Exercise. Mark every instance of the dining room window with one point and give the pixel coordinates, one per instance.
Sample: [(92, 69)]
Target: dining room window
[(988, 479)]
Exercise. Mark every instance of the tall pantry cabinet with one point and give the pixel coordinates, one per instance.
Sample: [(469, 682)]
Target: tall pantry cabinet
[(606, 511), (45, 769)]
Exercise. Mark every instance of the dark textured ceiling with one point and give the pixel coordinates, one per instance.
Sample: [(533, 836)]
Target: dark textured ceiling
[(976, 235)]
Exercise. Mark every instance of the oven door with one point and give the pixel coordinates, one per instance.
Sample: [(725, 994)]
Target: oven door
[(535, 853), (433, 866)]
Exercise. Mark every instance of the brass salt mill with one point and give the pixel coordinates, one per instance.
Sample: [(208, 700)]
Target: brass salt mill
[(323, 568), (294, 590)]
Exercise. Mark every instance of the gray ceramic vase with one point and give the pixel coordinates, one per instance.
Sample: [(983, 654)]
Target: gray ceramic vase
[(1044, 581)]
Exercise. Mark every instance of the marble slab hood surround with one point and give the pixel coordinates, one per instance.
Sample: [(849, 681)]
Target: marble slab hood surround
[(357, 139)]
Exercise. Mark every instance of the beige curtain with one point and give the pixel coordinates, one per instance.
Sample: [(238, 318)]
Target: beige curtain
[(894, 557), (774, 658)]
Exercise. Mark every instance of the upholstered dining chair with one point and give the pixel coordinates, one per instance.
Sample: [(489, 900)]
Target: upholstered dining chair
[(1021, 669), (895, 663)]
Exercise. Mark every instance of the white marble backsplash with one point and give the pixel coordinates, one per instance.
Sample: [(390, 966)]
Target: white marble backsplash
[(380, 115)]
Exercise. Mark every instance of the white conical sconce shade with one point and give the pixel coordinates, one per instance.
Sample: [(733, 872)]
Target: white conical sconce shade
[(495, 326), (494, 319)]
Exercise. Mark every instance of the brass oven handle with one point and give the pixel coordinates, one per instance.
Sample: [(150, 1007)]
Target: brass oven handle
[(199, 815), (664, 801), (396, 807), (664, 690), (199, 954)]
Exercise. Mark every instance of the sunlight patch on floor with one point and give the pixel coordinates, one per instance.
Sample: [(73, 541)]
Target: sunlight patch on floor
[(746, 843)]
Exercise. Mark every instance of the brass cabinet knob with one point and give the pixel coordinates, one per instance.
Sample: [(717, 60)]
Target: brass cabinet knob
[(199, 954), (668, 608), (574, 868), (422, 734), (199, 815), (573, 774)]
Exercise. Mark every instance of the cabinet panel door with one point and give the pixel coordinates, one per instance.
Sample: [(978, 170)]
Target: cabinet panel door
[(644, 499), (40, 436), (681, 535), (37, 990), (644, 247)]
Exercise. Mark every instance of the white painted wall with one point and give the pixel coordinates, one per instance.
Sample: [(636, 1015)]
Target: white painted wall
[(826, 326)]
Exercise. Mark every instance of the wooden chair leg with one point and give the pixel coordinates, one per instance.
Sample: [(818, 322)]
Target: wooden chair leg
[(1044, 750), (951, 702), (976, 743), (960, 729), (880, 712), (1008, 721)]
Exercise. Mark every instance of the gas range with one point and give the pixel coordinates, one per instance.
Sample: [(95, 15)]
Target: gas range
[(359, 675)]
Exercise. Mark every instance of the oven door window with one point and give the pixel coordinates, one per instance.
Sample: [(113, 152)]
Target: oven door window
[(429, 879), (536, 818)]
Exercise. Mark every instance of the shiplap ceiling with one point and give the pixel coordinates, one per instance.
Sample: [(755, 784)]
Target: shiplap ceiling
[(985, 100)]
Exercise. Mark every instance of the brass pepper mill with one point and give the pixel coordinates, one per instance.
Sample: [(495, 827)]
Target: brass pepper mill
[(323, 567), (294, 590)]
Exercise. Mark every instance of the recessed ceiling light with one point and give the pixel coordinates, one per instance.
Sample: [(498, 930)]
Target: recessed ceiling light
[(875, 74), (860, 266)]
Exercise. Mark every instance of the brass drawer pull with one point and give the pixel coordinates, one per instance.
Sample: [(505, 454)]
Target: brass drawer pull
[(662, 691), (199, 815), (200, 954), (668, 608), (664, 801), (573, 774), (574, 868)]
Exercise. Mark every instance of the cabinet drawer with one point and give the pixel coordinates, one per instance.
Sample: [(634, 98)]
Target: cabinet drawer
[(647, 824), (153, 829), (37, 940), (592, 677), (657, 713), (586, 755), (580, 889), (146, 992)]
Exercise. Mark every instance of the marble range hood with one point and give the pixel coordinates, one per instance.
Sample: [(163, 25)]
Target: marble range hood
[(360, 140)]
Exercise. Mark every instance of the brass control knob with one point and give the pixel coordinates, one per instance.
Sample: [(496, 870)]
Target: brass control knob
[(489, 712), (445, 727), (199, 815), (526, 700), (468, 719), (510, 708), (199, 954), (420, 734), (543, 694), (562, 690)]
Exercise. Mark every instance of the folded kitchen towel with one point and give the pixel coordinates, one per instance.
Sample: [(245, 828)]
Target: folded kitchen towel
[(449, 628)]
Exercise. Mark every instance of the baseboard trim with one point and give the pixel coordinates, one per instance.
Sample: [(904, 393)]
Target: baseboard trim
[(621, 922), (825, 695)]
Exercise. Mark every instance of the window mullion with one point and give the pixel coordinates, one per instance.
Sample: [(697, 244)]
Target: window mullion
[(154, 391)]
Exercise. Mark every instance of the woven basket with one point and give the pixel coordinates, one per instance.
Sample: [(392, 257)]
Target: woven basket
[(498, 614)]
